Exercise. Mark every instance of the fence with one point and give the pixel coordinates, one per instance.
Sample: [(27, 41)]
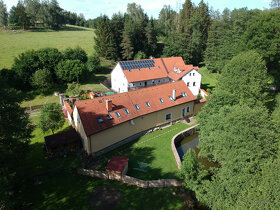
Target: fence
[(30, 109), (131, 180)]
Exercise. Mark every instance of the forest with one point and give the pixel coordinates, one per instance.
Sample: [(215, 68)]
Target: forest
[(239, 125)]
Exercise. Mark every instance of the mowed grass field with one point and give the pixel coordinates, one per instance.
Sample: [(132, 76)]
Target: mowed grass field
[(15, 42)]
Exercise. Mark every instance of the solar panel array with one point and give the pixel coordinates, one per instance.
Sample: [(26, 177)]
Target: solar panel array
[(127, 65)]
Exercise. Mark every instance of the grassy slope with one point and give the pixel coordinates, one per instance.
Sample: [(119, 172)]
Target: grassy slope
[(66, 190), (14, 43), (208, 80)]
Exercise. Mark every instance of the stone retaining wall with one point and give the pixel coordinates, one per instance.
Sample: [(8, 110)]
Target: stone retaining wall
[(131, 180), (178, 137)]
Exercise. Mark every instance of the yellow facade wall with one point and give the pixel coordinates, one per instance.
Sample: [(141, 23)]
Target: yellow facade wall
[(122, 131), (198, 107)]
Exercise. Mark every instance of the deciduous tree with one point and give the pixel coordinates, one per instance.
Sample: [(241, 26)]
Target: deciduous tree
[(51, 118)]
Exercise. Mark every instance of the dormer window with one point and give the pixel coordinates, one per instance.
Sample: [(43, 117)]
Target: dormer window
[(100, 120), (126, 111), (148, 104), (118, 114), (136, 107), (161, 101)]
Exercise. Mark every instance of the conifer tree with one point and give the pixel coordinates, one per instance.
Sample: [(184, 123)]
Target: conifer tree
[(3, 14)]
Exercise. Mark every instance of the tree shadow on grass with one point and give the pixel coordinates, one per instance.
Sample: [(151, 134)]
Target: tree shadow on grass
[(63, 28), (136, 155), (207, 86)]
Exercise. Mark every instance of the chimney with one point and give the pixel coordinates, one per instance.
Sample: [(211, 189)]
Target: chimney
[(61, 97), (109, 105), (174, 95)]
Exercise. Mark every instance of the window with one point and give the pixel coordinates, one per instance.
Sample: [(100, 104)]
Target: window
[(139, 69), (193, 74), (188, 109), (132, 122), (193, 83), (109, 117), (140, 84), (188, 84), (168, 116), (118, 114), (136, 107), (100, 120), (184, 94), (171, 99), (126, 111), (183, 112), (161, 101), (190, 74), (148, 104)]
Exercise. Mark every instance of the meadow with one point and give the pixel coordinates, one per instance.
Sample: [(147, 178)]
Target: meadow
[(14, 42)]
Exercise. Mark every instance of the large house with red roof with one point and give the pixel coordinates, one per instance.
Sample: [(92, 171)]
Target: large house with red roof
[(105, 123), (131, 75)]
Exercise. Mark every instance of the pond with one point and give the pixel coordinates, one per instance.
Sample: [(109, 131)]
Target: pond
[(191, 142)]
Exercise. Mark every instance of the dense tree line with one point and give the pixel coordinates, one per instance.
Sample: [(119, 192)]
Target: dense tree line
[(124, 36), (240, 132), (41, 69), (36, 13)]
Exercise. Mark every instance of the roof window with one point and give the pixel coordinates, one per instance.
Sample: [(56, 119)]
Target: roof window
[(118, 114), (126, 111), (184, 94), (171, 99), (100, 120), (136, 107), (148, 104), (161, 101), (109, 117)]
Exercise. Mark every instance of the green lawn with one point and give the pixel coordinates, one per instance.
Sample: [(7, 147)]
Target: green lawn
[(209, 81), (93, 83), (15, 42), (67, 190), (153, 148)]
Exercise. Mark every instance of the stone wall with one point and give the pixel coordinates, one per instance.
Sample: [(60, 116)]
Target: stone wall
[(131, 180), (178, 137)]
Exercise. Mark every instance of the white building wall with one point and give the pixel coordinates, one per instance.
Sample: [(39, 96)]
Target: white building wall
[(80, 129), (69, 118), (148, 83), (119, 82), (193, 80)]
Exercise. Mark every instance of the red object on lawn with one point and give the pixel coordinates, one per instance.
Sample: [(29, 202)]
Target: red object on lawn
[(117, 164)]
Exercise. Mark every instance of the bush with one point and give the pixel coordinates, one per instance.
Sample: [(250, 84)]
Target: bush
[(93, 63), (140, 55), (75, 54), (42, 78), (73, 89), (70, 70)]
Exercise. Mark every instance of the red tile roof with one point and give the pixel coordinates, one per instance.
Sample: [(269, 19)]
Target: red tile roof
[(156, 72), (117, 163), (68, 108), (90, 110), (163, 68)]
